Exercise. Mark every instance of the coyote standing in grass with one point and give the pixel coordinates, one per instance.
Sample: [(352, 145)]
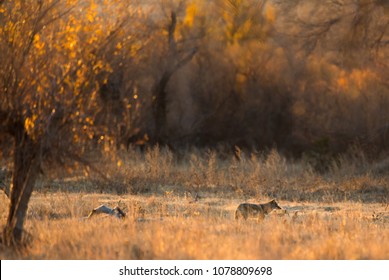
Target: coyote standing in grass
[(247, 210)]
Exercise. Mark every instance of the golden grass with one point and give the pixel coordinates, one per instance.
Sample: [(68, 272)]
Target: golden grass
[(340, 215), (175, 228)]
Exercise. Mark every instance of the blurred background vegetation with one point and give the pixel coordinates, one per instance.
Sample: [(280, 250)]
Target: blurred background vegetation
[(306, 77)]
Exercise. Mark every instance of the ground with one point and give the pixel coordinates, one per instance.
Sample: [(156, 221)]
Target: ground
[(186, 211)]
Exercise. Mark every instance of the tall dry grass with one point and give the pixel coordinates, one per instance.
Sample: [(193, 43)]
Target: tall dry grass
[(183, 208)]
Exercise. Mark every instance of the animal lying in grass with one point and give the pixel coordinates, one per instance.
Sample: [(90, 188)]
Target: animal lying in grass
[(103, 209)]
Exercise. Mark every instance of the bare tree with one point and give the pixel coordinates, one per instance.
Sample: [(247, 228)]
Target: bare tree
[(176, 58)]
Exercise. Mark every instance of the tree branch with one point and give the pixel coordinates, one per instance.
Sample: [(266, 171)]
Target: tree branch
[(171, 31)]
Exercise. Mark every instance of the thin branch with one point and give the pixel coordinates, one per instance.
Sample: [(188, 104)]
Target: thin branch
[(171, 31)]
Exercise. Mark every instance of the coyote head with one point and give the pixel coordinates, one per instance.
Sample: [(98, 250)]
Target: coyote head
[(274, 204)]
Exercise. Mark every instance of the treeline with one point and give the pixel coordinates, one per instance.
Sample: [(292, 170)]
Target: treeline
[(302, 76), (297, 75)]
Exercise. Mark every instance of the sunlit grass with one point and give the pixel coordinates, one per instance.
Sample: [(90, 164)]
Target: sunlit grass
[(177, 229), (184, 209)]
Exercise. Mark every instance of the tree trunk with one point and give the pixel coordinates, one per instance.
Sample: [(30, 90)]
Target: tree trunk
[(23, 181), (159, 108), (175, 62)]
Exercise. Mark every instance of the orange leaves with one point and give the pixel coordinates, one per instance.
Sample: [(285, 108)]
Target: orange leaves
[(191, 12), (90, 17), (57, 54), (362, 77), (29, 125), (91, 12), (355, 81), (270, 13), (134, 48), (244, 20), (342, 83), (99, 65), (71, 2), (39, 45)]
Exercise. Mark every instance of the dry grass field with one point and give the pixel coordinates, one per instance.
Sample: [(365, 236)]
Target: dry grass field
[(183, 208)]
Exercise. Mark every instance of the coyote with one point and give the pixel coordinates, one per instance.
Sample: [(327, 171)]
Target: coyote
[(247, 210)]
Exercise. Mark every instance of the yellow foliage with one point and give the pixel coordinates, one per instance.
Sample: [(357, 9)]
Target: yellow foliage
[(92, 12), (135, 48), (89, 120), (191, 12), (360, 77), (343, 83), (246, 27), (71, 2), (38, 44), (355, 81), (29, 124), (270, 13), (98, 66), (90, 17)]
